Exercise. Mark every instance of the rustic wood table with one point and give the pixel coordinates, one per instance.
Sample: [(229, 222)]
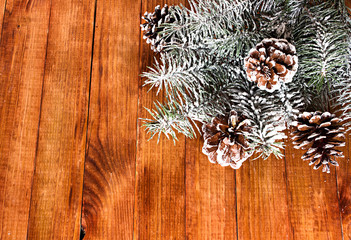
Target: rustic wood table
[(73, 155)]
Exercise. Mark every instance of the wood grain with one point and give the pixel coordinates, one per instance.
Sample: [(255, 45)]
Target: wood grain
[(2, 13), (108, 195), (344, 190), (160, 196), (210, 196), (160, 179), (55, 131), (262, 200), (312, 197), (22, 51), (58, 175)]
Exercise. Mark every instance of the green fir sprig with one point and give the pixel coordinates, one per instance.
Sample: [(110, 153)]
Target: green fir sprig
[(201, 67)]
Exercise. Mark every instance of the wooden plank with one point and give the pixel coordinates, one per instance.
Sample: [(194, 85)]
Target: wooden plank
[(160, 179), (160, 195), (262, 200), (22, 51), (210, 196), (2, 13), (108, 195), (313, 202), (344, 190), (55, 211)]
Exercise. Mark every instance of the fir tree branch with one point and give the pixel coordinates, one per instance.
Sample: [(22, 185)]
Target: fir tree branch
[(265, 114), (201, 72), (322, 53), (169, 119)]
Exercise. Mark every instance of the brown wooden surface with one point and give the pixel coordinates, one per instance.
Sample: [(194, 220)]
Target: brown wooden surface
[(108, 195), (73, 153), (210, 197), (23, 52), (261, 188), (55, 211)]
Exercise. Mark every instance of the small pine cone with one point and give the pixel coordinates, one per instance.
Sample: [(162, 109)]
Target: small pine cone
[(152, 27), (271, 61), (225, 142), (319, 134)]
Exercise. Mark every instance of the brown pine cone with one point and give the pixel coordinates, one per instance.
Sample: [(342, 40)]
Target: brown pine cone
[(319, 133), (152, 27), (272, 61), (225, 142)]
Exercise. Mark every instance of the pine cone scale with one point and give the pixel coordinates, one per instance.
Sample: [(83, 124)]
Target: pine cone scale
[(225, 142), (319, 133), (272, 61)]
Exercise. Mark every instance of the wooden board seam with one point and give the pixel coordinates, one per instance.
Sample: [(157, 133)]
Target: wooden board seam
[(287, 187), (185, 205), (236, 207), (40, 107), (338, 196), (82, 225), (137, 126), (3, 18)]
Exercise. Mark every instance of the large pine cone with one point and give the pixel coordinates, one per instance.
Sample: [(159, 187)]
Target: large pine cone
[(319, 133), (152, 27), (272, 61), (225, 142)]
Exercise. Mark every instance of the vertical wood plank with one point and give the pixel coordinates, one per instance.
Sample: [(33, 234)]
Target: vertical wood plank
[(159, 207), (22, 51), (313, 202), (344, 190), (160, 187), (55, 211), (2, 13), (108, 195), (210, 196), (262, 200)]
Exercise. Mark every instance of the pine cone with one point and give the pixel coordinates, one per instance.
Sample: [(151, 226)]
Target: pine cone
[(152, 27), (225, 142), (319, 133), (271, 61)]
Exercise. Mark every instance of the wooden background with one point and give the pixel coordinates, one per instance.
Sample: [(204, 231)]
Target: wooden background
[(73, 155)]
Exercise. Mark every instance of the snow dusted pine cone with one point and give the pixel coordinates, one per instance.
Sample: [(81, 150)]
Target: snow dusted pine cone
[(225, 142), (272, 61), (319, 133), (152, 27)]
